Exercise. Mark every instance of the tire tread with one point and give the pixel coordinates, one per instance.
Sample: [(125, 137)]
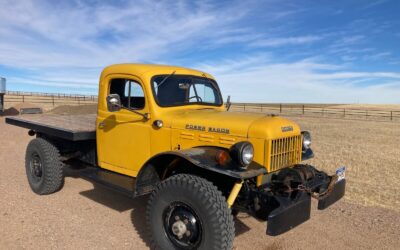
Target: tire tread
[(53, 166), (211, 198)]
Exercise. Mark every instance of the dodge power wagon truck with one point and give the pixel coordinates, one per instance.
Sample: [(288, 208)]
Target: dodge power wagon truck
[(165, 131)]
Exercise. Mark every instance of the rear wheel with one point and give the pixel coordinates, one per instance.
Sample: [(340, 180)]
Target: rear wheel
[(188, 212), (44, 168)]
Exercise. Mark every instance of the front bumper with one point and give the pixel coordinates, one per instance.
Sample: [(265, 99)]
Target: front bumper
[(292, 213), (289, 214), (334, 196), (288, 203)]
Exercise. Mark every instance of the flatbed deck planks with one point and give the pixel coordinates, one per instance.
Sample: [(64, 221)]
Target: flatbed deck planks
[(68, 127)]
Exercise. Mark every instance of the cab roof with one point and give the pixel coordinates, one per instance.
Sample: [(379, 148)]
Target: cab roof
[(150, 69)]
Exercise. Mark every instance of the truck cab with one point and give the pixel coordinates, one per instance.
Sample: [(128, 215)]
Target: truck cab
[(167, 131)]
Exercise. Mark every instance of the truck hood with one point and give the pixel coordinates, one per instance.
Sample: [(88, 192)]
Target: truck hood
[(234, 123)]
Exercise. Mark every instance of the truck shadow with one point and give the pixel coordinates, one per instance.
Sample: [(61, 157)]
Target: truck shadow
[(121, 203)]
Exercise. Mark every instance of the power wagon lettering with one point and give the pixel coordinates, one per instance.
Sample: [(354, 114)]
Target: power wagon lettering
[(210, 129)]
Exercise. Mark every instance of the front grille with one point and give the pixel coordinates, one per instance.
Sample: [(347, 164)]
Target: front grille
[(285, 152)]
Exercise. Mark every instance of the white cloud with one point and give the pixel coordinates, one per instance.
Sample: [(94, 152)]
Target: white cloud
[(338, 12), (70, 34), (351, 39), (72, 41), (303, 82), (377, 56), (348, 58), (374, 4), (281, 41)]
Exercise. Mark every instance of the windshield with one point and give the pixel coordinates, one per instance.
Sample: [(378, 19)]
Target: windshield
[(177, 90)]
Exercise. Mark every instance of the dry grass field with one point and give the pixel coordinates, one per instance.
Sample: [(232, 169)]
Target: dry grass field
[(390, 113), (370, 150), (393, 107)]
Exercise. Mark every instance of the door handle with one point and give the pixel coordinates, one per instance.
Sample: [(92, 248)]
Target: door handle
[(101, 125)]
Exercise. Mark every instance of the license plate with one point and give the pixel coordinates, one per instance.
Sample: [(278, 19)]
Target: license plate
[(340, 172)]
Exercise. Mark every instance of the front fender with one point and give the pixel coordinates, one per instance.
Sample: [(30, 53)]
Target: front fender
[(205, 157), (201, 157)]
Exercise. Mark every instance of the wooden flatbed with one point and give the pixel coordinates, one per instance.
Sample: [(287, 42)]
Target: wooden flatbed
[(68, 127)]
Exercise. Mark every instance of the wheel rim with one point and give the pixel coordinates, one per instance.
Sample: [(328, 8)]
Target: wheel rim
[(182, 226), (35, 167)]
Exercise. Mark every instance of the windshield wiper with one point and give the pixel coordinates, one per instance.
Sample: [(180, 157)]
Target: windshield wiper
[(195, 91), (165, 78)]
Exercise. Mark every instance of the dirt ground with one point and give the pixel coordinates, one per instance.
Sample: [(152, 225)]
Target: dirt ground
[(76, 110), (84, 216)]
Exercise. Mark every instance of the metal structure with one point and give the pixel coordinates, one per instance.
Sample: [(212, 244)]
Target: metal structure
[(2, 93)]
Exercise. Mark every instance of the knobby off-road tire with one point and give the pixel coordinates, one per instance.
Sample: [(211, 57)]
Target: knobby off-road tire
[(44, 168), (193, 204)]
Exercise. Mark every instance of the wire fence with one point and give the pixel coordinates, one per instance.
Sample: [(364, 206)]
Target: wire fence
[(55, 95), (311, 110), (320, 110), (47, 100)]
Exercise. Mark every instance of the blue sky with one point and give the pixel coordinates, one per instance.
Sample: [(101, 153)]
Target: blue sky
[(259, 51)]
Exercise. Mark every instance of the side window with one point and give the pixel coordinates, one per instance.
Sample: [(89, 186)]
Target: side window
[(130, 92)]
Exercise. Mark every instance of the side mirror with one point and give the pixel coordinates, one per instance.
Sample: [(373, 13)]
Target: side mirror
[(228, 103), (113, 102)]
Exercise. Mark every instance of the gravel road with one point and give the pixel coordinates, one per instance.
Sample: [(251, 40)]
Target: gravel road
[(84, 216)]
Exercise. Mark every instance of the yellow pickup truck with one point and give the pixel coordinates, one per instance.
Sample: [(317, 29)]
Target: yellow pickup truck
[(165, 131)]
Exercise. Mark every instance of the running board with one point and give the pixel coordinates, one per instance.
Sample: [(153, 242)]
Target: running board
[(113, 181)]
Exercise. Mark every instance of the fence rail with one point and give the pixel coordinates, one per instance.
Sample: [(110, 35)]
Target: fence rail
[(320, 110), (55, 95)]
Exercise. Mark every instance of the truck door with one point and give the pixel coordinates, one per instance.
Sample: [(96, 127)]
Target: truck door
[(123, 136)]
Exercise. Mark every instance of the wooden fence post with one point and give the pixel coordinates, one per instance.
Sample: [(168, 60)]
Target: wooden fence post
[(23, 98), (280, 107), (391, 115), (53, 100), (303, 109), (244, 106)]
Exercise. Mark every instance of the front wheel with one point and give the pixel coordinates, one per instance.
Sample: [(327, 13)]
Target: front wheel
[(188, 212)]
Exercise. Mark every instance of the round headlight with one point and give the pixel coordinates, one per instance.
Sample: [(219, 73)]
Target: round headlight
[(306, 140), (242, 153), (247, 154)]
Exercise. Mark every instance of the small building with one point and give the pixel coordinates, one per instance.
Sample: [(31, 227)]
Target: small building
[(2, 93)]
